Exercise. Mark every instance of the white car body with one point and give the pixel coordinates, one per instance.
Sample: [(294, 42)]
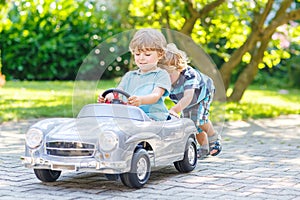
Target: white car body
[(103, 138)]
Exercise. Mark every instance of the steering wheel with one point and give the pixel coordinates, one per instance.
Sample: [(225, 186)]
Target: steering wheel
[(116, 92)]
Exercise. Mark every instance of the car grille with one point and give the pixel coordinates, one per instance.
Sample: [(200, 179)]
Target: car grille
[(69, 149)]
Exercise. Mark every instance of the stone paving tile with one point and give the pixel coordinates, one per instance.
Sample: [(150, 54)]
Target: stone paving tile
[(260, 160)]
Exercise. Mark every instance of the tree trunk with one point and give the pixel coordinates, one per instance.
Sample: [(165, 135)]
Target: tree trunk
[(256, 31), (235, 59), (244, 80), (249, 73)]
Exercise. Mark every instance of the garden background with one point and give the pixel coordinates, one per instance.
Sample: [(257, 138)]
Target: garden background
[(254, 44)]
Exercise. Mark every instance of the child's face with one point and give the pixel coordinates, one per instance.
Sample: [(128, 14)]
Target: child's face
[(146, 60)]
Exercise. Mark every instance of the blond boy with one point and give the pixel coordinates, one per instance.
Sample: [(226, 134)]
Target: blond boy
[(192, 92)]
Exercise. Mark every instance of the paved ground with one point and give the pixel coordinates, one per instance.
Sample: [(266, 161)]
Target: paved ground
[(260, 160)]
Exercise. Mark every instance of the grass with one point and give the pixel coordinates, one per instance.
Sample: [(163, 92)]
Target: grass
[(21, 100), (24, 100), (264, 102)]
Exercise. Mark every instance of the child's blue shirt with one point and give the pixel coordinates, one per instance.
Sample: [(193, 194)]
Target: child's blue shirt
[(140, 84)]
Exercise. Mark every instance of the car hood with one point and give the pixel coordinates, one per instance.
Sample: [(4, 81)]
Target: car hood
[(88, 129), (77, 130)]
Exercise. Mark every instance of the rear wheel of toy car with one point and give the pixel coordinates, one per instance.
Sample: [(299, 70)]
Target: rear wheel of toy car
[(47, 175), (140, 170), (189, 161)]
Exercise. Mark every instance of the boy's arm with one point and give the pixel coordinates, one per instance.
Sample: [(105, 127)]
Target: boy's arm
[(184, 102), (152, 98)]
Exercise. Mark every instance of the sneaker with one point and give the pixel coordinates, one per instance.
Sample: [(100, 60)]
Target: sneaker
[(215, 144)]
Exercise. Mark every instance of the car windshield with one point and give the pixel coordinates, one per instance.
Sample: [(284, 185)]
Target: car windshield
[(113, 111)]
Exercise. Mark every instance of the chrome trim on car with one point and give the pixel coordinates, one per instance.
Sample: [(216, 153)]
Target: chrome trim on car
[(70, 149), (89, 165)]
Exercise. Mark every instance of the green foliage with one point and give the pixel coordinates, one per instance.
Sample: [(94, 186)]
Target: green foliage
[(294, 72), (294, 67), (264, 101), (158, 14), (48, 40), (285, 74), (244, 111), (222, 31), (25, 100), (21, 100), (277, 77)]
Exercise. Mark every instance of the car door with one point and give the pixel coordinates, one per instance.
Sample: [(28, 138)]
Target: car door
[(171, 146)]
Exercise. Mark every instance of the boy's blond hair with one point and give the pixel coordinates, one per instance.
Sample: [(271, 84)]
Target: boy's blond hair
[(174, 59), (148, 40)]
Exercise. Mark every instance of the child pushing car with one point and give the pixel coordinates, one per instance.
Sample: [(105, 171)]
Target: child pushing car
[(192, 92)]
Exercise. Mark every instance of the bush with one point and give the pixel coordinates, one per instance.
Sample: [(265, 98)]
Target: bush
[(48, 41), (293, 66)]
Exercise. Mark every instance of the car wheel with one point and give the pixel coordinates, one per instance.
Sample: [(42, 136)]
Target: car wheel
[(140, 170), (189, 161), (47, 175)]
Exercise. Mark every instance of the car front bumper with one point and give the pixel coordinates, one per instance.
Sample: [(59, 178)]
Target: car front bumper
[(88, 165)]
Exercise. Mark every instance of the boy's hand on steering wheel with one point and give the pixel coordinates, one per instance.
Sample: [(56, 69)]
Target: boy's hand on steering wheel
[(100, 99), (108, 97), (135, 101)]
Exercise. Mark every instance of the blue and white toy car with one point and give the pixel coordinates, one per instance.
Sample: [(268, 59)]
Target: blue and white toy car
[(115, 139)]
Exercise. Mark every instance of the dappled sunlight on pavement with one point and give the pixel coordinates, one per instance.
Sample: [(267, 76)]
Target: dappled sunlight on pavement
[(260, 160)]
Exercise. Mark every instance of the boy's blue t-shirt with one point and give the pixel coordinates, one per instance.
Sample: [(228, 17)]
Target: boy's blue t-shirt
[(140, 84)]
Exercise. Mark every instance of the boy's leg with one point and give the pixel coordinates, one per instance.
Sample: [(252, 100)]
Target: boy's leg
[(201, 136), (206, 131), (204, 124), (208, 128), (202, 139), (214, 139)]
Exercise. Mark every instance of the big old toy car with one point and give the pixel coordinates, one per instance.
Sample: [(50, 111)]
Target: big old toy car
[(114, 139)]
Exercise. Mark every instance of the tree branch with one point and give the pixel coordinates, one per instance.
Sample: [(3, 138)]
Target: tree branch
[(191, 8), (209, 7), (283, 6), (249, 73), (293, 15), (265, 14), (189, 23), (280, 19)]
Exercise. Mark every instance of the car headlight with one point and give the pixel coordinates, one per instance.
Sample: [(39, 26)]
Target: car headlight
[(108, 141), (34, 138)]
